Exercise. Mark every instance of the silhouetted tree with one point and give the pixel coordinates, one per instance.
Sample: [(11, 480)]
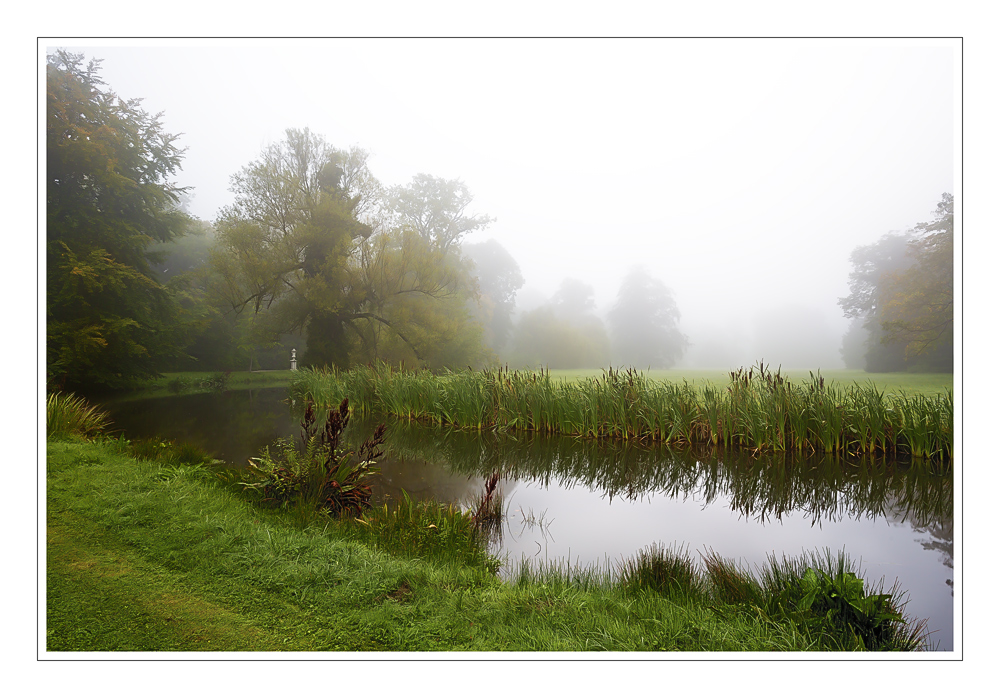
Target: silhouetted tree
[(643, 323)]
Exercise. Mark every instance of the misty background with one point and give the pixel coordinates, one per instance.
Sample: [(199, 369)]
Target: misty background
[(739, 174)]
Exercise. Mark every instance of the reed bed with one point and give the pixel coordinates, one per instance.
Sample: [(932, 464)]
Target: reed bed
[(759, 410)]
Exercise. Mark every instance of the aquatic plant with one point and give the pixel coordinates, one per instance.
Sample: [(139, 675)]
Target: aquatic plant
[(488, 512), (320, 476), (760, 410), (422, 529), (826, 596)]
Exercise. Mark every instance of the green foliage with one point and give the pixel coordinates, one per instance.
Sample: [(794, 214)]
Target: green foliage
[(423, 529), (144, 557), (826, 598), (901, 289), (918, 302), (435, 209), (321, 476), (822, 596), (308, 247), (108, 199), (67, 415), (760, 410)]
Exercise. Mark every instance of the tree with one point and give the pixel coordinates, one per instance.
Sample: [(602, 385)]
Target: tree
[(499, 278), (564, 333), (644, 330), (108, 198), (310, 241), (542, 338), (854, 345), (918, 310), (435, 208), (901, 288)]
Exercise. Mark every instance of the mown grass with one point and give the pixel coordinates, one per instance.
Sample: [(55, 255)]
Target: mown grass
[(758, 410), (929, 384), (149, 556)]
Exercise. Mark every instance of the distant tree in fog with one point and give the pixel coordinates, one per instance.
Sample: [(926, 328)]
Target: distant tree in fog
[(854, 345), (574, 300), (435, 208), (499, 278), (643, 323), (563, 333)]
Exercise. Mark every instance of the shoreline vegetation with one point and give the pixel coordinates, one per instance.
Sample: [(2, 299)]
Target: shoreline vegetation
[(151, 551), (759, 410)]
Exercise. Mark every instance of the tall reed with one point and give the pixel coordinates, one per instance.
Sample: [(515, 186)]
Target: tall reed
[(760, 410)]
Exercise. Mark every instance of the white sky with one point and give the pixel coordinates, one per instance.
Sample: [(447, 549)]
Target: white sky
[(742, 172)]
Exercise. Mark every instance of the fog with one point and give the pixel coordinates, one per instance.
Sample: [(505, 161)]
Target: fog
[(741, 173)]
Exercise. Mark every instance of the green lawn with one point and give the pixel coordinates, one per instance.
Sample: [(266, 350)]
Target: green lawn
[(926, 383)]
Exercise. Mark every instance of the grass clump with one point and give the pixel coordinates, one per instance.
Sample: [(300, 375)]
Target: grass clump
[(67, 415), (822, 597), (666, 571)]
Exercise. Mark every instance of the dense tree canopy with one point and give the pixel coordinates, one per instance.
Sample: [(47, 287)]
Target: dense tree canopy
[(644, 323), (901, 289), (311, 243), (108, 198)]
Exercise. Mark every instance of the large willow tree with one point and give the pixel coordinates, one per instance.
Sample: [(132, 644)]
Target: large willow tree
[(108, 198), (306, 247)]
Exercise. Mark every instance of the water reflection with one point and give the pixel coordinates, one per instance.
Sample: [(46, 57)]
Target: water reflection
[(762, 488)]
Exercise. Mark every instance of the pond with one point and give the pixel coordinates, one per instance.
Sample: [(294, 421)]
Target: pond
[(587, 503)]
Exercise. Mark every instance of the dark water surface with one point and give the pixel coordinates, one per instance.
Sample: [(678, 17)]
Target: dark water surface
[(587, 503)]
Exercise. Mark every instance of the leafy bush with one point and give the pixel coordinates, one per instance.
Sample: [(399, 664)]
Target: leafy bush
[(838, 606)]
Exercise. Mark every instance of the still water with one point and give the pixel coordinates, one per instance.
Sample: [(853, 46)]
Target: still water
[(585, 503)]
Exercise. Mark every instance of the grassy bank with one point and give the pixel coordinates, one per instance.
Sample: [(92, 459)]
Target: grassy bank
[(759, 410), (149, 555)]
